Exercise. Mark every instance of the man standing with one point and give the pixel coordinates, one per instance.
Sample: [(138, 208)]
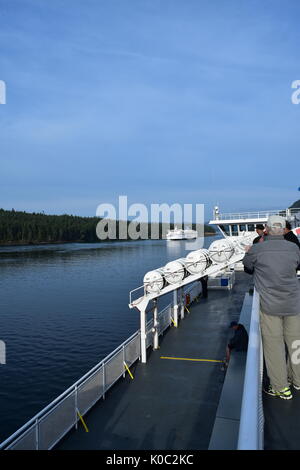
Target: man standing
[(204, 282), (289, 234), (274, 265), (260, 230)]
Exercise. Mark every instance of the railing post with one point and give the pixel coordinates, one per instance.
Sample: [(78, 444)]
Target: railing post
[(182, 303), (155, 326), (175, 307), (143, 336)]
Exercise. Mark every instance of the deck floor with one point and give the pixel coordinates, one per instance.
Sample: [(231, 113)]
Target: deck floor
[(282, 422), (170, 404)]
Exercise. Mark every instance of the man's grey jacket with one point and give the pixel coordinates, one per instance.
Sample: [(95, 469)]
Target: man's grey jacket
[(274, 264)]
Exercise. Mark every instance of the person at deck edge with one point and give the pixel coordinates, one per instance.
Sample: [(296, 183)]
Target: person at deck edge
[(260, 230), (289, 234), (274, 264)]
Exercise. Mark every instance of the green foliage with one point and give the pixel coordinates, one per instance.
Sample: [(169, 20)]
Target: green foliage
[(295, 205), (25, 228), (22, 227)]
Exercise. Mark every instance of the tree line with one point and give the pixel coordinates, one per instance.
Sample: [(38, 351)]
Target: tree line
[(295, 205), (18, 227)]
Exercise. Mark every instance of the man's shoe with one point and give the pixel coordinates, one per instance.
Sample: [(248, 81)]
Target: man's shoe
[(285, 393), (270, 391), (296, 387)]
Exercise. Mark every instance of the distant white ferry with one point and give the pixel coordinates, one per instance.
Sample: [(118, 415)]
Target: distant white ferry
[(181, 234)]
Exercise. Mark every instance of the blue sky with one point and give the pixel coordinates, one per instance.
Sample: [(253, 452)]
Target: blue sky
[(169, 101)]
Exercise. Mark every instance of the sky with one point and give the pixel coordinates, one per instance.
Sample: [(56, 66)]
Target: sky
[(164, 101)]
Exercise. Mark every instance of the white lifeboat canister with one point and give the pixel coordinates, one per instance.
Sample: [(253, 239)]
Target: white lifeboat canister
[(197, 261), (244, 242), (220, 251), (175, 271), (154, 281)]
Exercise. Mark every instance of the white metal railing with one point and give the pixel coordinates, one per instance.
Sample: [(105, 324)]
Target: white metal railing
[(52, 423), (165, 316), (256, 214), (251, 432)]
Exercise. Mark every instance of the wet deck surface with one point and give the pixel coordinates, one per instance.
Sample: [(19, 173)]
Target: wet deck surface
[(170, 404)]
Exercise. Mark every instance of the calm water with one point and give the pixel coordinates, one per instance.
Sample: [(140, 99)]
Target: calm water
[(63, 308)]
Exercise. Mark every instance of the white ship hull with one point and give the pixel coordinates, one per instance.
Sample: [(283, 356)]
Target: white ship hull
[(179, 234)]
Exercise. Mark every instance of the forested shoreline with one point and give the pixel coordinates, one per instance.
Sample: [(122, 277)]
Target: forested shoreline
[(23, 228), (295, 205)]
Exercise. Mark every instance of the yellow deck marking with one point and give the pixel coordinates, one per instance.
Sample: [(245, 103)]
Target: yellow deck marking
[(127, 368), (188, 359), (82, 420)]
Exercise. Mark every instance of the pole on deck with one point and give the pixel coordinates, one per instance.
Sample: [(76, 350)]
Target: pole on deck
[(182, 303), (143, 336), (155, 325), (175, 307)]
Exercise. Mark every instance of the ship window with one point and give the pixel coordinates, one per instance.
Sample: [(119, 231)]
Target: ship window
[(242, 227), (234, 229), (225, 229), (251, 227)]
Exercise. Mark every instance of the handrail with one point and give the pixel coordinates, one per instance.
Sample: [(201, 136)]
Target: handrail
[(255, 214), (33, 421), (251, 432)]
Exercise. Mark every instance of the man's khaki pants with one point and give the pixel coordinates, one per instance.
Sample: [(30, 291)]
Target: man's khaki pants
[(277, 331)]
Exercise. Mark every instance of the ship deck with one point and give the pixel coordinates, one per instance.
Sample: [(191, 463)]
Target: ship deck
[(170, 404), (187, 405)]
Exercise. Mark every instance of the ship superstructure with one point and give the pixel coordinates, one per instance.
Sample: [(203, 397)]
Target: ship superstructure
[(237, 223)]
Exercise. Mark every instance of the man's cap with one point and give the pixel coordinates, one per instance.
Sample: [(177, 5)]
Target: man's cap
[(233, 323), (260, 226), (276, 221)]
